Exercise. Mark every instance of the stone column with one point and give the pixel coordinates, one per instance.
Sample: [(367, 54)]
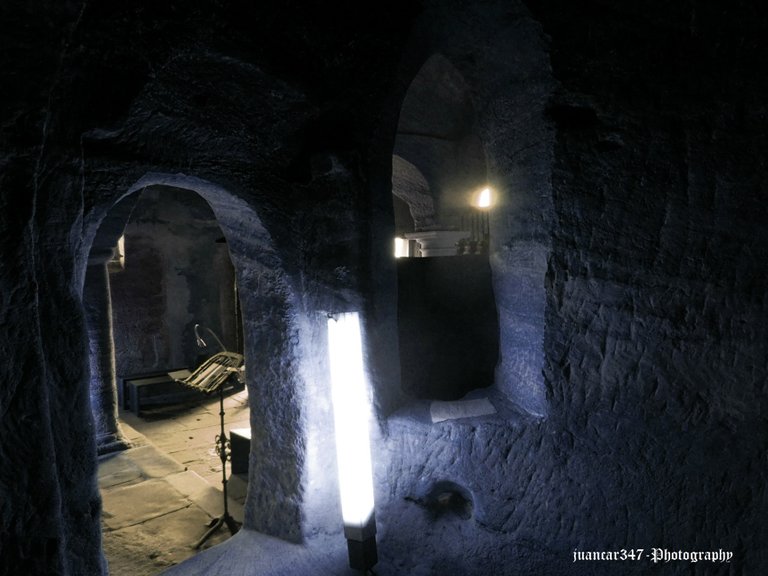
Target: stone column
[(97, 301)]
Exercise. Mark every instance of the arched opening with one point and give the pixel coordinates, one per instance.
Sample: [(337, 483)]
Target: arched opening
[(168, 304), (285, 496), (482, 93), (177, 270), (447, 318)]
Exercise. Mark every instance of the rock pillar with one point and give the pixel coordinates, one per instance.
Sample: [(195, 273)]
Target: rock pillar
[(103, 381)]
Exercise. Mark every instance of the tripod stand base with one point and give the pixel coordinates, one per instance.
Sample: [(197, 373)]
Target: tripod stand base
[(231, 523)]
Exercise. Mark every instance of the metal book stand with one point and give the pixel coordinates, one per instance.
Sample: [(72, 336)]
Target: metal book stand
[(210, 376)]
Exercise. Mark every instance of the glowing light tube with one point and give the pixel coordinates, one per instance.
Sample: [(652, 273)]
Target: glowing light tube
[(350, 413)]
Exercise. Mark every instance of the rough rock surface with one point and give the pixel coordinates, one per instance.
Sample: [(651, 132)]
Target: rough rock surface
[(629, 256)]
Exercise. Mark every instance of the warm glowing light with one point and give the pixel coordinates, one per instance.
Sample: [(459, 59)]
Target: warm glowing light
[(350, 413), (484, 198), (401, 248)]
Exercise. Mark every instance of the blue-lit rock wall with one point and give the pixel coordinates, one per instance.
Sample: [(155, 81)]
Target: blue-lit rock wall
[(628, 261), (655, 328), (656, 347), (657, 310)]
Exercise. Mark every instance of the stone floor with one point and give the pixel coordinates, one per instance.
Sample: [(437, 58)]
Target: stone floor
[(160, 495)]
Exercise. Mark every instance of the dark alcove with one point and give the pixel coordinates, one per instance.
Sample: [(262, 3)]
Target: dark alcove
[(447, 317), (449, 329)]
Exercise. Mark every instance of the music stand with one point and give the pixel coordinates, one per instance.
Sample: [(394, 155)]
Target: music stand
[(209, 377)]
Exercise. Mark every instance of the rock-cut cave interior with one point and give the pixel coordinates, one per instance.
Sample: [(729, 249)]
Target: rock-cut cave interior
[(427, 287)]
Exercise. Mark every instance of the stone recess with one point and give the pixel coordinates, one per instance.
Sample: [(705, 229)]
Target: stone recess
[(629, 258)]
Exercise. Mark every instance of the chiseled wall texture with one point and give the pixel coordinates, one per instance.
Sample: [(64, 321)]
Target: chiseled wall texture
[(655, 336), (657, 315), (640, 239)]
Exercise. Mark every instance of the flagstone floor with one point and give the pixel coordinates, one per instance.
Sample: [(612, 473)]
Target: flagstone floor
[(160, 495)]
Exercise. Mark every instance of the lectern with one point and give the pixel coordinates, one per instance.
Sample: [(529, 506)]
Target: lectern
[(208, 378)]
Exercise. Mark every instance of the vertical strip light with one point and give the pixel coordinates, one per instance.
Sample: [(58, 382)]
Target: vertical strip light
[(353, 451)]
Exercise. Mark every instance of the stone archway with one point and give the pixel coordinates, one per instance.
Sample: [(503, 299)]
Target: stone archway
[(447, 317), (498, 77), (278, 498), (504, 62)]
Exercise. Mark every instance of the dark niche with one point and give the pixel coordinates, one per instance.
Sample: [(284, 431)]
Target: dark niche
[(448, 326)]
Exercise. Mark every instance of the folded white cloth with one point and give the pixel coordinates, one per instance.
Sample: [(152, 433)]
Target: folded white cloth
[(440, 410)]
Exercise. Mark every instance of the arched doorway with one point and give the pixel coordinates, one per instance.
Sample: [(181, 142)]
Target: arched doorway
[(175, 268), (282, 488), (447, 317), (500, 66), (168, 284)]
